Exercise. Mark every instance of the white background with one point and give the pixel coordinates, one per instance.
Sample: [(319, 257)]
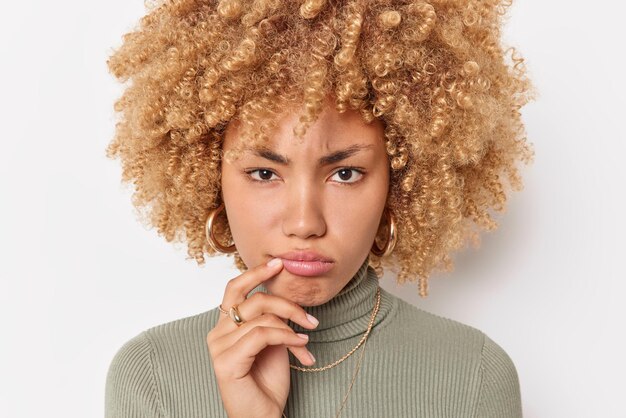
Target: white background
[(79, 275)]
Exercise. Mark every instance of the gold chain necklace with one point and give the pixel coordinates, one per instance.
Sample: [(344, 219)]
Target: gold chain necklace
[(362, 341)]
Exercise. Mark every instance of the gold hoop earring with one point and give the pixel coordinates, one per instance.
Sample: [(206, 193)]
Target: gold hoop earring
[(208, 230), (391, 239)]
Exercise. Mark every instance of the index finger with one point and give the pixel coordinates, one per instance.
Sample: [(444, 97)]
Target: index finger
[(238, 288)]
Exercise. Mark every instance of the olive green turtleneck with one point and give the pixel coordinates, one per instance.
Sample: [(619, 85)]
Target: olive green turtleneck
[(416, 364)]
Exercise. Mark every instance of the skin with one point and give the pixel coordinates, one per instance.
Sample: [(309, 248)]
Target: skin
[(302, 206)]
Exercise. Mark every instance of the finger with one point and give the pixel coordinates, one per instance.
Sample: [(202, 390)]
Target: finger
[(237, 289), (227, 340), (243, 352), (262, 303)]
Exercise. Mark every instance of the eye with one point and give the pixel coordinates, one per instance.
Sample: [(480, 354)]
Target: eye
[(346, 175), (264, 173)]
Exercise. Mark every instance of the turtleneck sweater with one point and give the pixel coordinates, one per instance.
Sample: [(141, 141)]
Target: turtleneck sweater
[(415, 364)]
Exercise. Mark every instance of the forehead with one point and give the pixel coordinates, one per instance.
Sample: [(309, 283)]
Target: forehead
[(331, 130)]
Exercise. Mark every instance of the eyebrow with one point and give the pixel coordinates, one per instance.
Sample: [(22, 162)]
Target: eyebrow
[(331, 158)]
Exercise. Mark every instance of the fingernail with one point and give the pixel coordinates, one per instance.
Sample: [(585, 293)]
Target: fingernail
[(312, 319), (304, 336), (274, 262), (312, 357)]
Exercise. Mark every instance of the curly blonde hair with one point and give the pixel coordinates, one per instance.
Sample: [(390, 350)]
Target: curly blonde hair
[(433, 72)]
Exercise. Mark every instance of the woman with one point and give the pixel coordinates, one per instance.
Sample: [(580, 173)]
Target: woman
[(318, 143)]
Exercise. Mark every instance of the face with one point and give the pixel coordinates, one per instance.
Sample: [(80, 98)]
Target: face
[(322, 197)]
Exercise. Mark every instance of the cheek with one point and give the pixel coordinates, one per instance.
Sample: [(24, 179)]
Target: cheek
[(364, 219), (357, 217), (249, 213)]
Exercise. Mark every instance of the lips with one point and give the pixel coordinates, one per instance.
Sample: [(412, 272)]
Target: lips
[(305, 255), (306, 263)]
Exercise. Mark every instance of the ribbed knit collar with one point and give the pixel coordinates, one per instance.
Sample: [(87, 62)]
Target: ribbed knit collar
[(348, 313)]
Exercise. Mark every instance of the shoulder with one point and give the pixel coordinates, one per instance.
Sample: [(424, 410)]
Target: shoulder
[(436, 331), (171, 335), (500, 394), (146, 364), (190, 327), (442, 331), (489, 367), (131, 383)]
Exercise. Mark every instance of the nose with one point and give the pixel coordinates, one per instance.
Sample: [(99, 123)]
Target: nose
[(303, 215)]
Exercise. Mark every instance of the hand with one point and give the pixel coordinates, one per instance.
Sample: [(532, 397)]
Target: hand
[(251, 361)]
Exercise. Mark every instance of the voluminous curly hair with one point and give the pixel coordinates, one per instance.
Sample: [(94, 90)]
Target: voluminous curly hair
[(433, 71)]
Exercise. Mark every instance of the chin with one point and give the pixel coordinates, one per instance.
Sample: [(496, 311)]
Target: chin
[(305, 291)]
